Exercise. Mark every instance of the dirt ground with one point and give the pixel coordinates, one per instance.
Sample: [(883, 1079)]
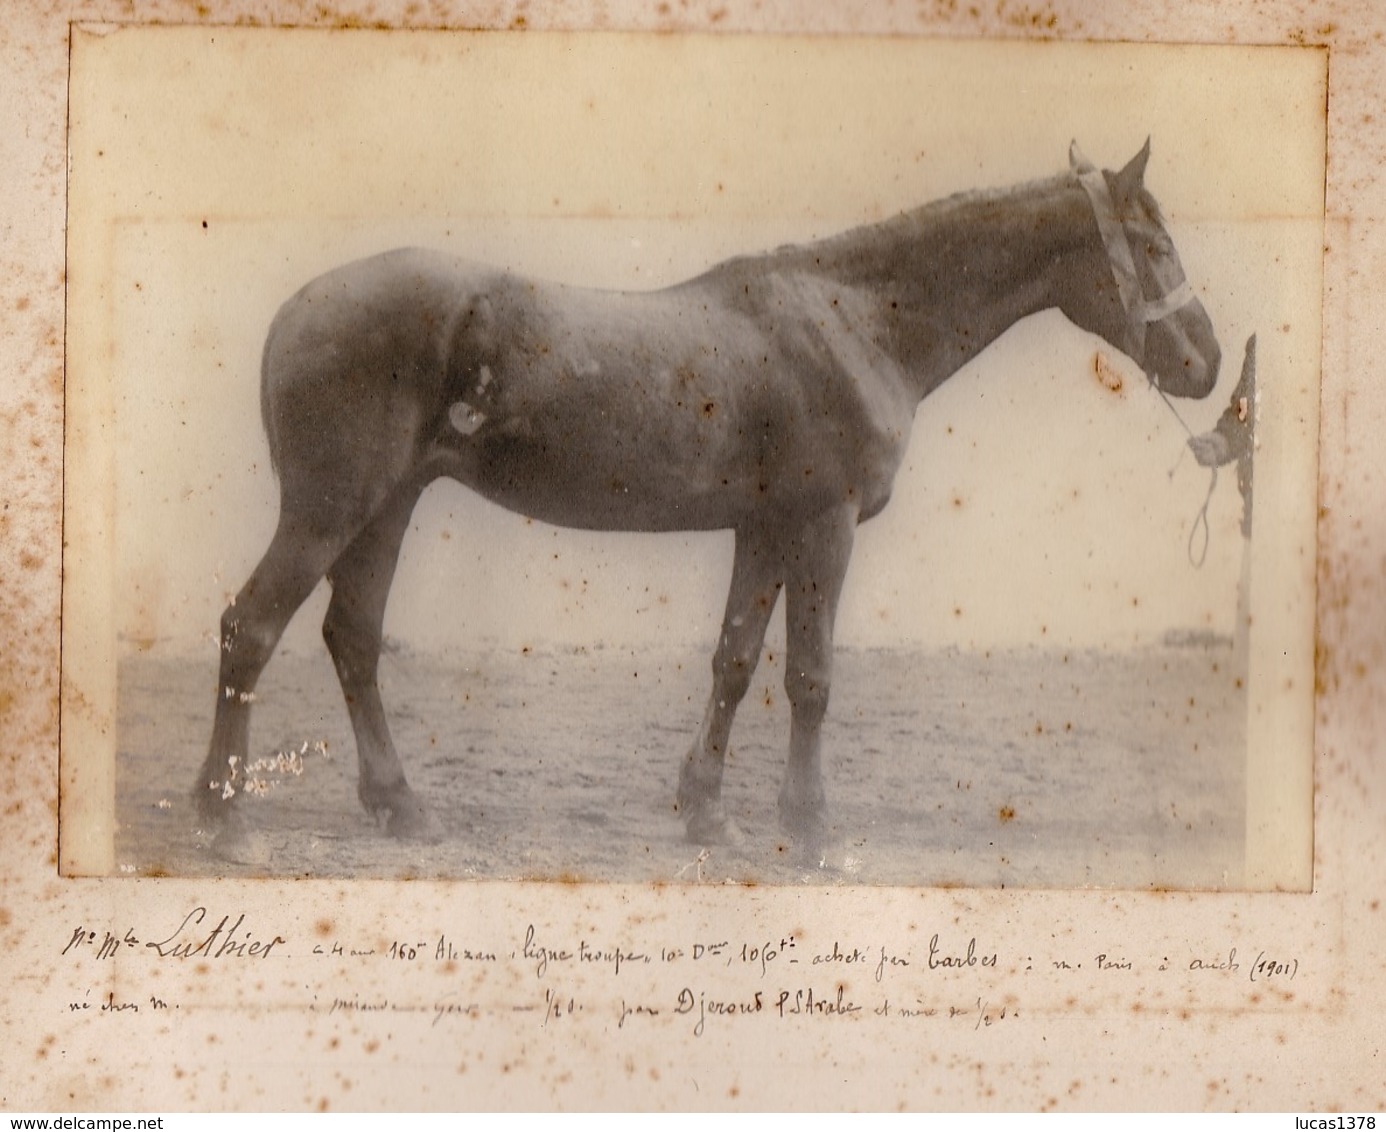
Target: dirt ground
[(1031, 768)]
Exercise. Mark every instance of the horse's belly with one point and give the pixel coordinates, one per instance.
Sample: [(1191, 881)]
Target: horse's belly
[(619, 484)]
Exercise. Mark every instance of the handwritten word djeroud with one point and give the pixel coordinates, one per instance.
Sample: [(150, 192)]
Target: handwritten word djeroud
[(804, 1002)]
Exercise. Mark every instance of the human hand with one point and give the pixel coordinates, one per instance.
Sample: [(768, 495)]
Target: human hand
[(1211, 449)]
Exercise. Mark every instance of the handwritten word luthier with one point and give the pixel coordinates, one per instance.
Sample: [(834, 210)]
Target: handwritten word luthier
[(228, 939)]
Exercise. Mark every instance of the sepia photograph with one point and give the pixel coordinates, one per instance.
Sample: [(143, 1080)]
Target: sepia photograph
[(619, 459)]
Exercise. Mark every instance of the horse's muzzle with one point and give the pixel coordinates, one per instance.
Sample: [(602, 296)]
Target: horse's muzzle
[(1185, 363)]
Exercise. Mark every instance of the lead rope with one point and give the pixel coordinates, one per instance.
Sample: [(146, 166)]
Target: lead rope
[(1202, 518), (1196, 559)]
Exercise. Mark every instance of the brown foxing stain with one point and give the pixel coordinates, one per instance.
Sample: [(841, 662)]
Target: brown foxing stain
[(1106, 374), (1042, 21)]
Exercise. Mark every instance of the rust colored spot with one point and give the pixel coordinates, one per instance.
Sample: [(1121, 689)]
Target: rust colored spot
[(1006, 813), (1106, 374)]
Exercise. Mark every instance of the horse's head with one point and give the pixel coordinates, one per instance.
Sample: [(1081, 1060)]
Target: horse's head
[(1144, 305)]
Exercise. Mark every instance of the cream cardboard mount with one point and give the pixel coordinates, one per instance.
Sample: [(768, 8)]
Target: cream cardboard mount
[(1036, 688)]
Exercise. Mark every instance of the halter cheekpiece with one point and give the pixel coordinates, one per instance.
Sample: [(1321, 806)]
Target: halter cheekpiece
[(1140, 311)]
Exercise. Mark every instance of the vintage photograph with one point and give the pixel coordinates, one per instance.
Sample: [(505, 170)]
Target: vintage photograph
[(617, 459)]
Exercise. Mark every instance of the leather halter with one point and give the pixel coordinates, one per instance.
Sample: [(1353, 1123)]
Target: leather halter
[(1140, 311)]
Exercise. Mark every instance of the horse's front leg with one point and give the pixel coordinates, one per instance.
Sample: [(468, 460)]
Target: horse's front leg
[(816, 563), (757, 575)]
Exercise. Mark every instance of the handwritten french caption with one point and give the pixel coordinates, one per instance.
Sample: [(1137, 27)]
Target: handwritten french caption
[(696, 982)]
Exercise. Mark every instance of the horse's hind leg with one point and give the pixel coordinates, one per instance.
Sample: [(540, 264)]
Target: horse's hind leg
[(361, 580), (755, 587), (297, 558)]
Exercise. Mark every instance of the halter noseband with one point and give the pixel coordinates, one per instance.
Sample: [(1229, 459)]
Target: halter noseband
[(1140, 311)]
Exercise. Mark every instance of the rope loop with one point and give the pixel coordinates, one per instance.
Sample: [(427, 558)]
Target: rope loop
[(1201, 520)]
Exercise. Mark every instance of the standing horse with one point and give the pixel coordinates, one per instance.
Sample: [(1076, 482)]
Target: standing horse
[(772, 395)]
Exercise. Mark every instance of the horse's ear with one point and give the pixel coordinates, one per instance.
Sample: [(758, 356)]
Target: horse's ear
[(1076, 161), (1133, 176)]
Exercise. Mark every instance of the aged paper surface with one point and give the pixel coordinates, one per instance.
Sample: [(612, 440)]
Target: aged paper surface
[(171, 993)]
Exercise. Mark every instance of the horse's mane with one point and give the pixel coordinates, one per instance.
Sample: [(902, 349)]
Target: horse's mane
[(948, 219), (950, 212)]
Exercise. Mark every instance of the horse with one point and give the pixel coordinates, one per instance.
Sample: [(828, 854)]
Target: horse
[(772, 395)]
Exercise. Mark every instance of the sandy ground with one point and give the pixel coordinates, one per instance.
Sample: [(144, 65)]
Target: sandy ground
[(1024, 768)]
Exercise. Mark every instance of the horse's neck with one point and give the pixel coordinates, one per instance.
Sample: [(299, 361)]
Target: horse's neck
[(950, 278)]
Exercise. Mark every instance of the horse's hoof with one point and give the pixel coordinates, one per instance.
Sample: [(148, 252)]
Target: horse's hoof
[(806, 824), (822, 851), (244, 848), (398, 807), (235, 843), (413, 821), (712, 826)]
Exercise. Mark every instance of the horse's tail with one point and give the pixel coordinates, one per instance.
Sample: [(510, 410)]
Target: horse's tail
[(266, 402)]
